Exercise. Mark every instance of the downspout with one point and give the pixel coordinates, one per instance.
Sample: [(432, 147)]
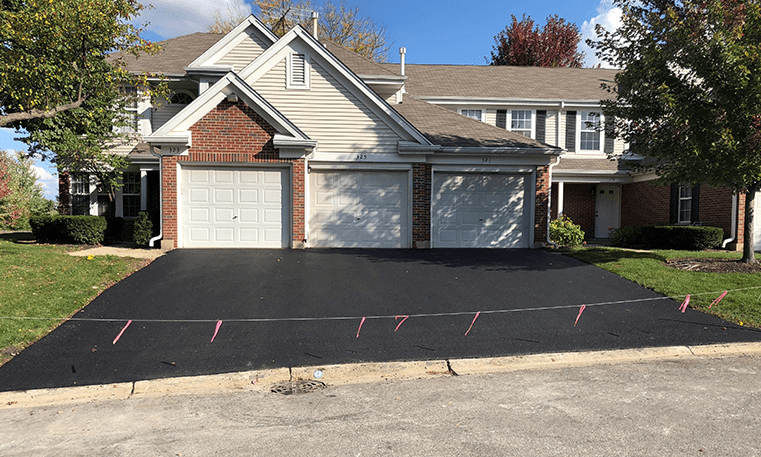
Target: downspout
[(161, 200), (734, 223), (549, 205)]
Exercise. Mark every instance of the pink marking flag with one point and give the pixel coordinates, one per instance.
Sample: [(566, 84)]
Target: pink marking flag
[(581, 310), (471, 324), (120, 333), (360, 326), (400, 323), (716, 302), (216, 330), (683, 308)]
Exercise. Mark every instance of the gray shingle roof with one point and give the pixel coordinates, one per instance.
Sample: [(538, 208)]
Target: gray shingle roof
[(568, 164), (356, 63), (449, 129), (175, 55), (506, 82)]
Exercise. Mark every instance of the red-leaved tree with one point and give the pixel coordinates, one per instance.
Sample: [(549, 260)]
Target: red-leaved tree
[(523, 44)]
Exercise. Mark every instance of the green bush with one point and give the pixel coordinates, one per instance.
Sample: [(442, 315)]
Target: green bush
[(47, 229), (68, 229), (84, 229), (143, 229), (565, 233), (680, 237)]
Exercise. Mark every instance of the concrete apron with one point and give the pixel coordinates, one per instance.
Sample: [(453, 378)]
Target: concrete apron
[(357, 373)]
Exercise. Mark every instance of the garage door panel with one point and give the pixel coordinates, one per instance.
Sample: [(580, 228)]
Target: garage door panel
[(234, 207), (479, 210), (358, 208)]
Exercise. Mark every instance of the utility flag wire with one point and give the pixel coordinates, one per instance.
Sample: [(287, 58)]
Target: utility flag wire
[(347, 318)]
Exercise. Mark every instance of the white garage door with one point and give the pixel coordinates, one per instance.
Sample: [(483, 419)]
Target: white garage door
[(240, 208), (473, 210), (358, 209)]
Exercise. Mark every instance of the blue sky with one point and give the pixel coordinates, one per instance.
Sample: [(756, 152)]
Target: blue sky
[(444, 31)]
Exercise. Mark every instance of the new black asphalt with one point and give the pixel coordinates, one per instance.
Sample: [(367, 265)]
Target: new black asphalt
[(540, 291)]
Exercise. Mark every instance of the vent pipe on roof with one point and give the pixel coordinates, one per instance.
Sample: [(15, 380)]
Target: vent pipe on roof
[(402, 52), (315, 16)]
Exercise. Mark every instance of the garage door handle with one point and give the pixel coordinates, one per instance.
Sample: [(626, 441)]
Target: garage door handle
[(358, 218), (235, 217)]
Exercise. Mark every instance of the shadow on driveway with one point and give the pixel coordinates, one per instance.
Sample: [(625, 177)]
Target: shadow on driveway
[(529, 300)]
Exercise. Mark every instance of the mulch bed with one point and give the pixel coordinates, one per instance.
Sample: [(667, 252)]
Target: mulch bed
[(708, 265)]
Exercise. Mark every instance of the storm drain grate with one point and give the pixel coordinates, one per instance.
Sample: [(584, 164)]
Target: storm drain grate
[(297, 387)]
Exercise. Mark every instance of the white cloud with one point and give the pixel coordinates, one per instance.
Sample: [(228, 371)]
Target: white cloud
[(609, 17), (48, 180), (171, 18)]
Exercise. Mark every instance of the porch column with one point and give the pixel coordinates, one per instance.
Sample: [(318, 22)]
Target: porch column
[(560, 198), (143, 190)]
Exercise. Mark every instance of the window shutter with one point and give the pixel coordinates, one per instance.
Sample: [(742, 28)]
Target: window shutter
[(298, 69), (541, 125), (570, 131), (502, 118), (695, 215), (609, 139), (674, 206)]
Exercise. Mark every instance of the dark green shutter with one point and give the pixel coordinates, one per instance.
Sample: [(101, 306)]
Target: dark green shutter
[(570, 131), (502, 118), (541, 125)]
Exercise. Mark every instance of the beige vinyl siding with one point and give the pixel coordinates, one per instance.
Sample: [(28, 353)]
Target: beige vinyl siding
[(561, 130), (244, 53), (490, 117), (160, 117), (327, 112), (618, 146), (550, 135)]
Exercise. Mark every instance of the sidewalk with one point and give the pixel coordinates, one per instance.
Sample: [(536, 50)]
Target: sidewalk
[(689, 406)]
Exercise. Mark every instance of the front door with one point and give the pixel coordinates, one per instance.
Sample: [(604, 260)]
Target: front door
[(607, 210)]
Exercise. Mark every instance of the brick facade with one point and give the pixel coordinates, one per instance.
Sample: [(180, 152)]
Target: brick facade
[(578, 205), (231, 133), (541, 204), (421, 204), (64, 193), (645, 203)]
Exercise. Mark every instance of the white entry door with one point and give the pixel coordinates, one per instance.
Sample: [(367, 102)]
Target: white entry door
[(234, 208), (366, 209), (607, 210), (477, 210)]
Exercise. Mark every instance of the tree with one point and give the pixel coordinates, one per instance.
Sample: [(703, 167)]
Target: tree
[(225, 22), (21, 194), (62, 79), (689, 94), (338, 23), (522, 44)]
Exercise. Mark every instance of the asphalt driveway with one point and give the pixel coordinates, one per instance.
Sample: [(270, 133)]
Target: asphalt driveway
[(282, 308)]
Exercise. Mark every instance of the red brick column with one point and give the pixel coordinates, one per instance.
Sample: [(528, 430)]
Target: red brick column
[(421, 204), (298, 201), (541, 209)]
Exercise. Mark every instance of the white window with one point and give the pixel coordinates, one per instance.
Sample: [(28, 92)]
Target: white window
[(130, 116), (685, 205), (590, 135), (298, 71), (130, 194), (80, 194), (476, 114), (522, 122)]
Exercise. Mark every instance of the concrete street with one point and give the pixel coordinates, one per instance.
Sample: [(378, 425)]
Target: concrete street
[(692, 406)]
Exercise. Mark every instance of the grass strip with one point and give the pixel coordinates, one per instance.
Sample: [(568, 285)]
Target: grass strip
[(45, 281), (648, 268)]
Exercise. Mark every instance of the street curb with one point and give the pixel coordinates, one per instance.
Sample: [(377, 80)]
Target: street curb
[(360, 373)]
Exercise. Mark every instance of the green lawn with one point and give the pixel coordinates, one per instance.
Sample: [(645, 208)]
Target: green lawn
[(44, 281), (648, 269)]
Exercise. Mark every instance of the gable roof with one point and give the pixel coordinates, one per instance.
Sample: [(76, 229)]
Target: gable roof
[(358, 64), (371, 99), (233, 37), (506, 82), (451, 130), (175, 55)]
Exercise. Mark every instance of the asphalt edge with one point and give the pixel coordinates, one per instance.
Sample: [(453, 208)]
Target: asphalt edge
[(360, 373)]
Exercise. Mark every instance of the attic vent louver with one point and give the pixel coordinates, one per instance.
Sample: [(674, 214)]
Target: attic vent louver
[(298, 71)]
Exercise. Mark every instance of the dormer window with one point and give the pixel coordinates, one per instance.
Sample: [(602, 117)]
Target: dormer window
[(298, 71)]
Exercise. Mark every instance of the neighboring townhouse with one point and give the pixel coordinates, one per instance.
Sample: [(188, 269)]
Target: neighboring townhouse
[(297, 142), (276, 143), (561, 107)]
